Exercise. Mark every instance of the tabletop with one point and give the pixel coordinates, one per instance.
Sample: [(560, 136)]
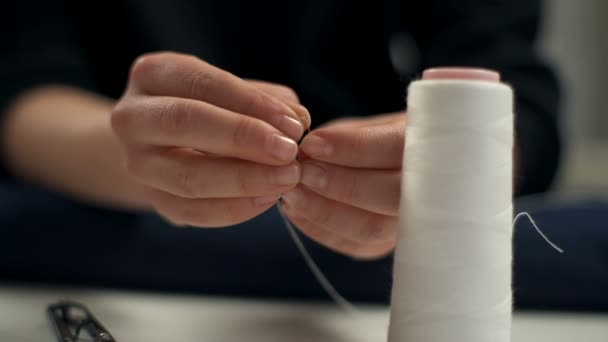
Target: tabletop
[(151, 317)]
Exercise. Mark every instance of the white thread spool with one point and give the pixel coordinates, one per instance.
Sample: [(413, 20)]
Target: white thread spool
[(452, 273)]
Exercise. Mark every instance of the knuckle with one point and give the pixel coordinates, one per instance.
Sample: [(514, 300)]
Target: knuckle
[(288, 93), (199, 83), (121, 118), (186, 57), (173, 117), (148, 63)]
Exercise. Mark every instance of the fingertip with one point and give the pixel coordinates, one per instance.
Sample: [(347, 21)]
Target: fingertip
[(316, 147), (302, 113), (292, 127), (286, 175), (291, 110), (299, 113), (284, 150)]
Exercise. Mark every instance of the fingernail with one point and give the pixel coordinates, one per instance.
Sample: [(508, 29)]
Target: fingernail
[(294, 198), (290, 111), (286, 175), (314, 176), (265, 200), (315, 146), (303, 114), (306, 116), (292, 127), (282, 148)]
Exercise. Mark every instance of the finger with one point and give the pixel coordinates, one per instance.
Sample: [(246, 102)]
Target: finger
[(279, 91), (359, 122), (201, 126), (171, 74), (303, 113), (189, 174), (340, 244), (378, 191), (347, 221), (369, 146), (209, 213), (381, 119), (288, 96)]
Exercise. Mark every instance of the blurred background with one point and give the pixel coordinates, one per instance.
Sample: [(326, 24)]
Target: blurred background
[(155, 256), (574, 39)]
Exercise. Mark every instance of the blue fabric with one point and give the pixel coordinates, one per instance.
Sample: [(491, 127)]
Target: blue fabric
[(47, 238)]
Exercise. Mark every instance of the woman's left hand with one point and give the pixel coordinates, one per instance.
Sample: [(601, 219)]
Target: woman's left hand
[(348, 198)]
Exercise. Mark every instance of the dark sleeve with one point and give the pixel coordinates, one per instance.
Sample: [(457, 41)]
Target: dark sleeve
[(498, 34), (39, 45)]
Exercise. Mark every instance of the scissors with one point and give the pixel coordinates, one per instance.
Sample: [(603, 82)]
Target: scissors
[(70, 319)]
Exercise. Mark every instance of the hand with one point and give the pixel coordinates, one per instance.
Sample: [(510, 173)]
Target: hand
[(348, 199), (211, 149)]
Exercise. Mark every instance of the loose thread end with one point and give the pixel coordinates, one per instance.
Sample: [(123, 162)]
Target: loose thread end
[(526, 214)]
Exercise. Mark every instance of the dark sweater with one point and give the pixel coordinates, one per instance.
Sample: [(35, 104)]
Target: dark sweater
[(334, 53)]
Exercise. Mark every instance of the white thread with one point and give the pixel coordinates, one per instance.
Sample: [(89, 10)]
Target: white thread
[(458, 315), (526, 214), (314, 268), (328, 287)]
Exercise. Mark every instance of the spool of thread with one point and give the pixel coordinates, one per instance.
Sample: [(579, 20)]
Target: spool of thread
[(452, 269)]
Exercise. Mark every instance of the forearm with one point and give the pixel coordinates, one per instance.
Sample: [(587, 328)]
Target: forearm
[(61, 138)]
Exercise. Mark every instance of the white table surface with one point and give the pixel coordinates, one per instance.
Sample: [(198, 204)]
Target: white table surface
[(149, 317)]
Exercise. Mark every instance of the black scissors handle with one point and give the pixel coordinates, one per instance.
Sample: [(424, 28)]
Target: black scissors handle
[(68, 328)]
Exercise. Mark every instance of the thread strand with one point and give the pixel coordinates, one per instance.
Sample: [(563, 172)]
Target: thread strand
[(314, 267), (526, 214)]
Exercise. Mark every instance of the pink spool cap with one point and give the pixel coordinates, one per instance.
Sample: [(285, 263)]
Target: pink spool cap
[(461, 73)]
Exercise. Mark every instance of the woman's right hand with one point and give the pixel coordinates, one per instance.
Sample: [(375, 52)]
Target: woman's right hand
[(211, 149)]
